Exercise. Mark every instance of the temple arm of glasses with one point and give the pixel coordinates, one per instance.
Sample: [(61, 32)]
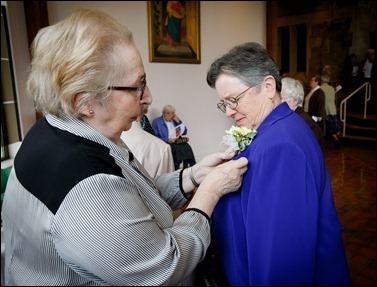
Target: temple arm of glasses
[(124, 88)]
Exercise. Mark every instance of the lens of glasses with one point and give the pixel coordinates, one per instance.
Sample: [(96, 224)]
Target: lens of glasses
[(231, 103), (221, 107), (141, 90), (141, 94), (227, 103)]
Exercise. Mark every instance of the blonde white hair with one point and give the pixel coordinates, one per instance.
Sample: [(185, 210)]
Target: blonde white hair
[(75, 57)]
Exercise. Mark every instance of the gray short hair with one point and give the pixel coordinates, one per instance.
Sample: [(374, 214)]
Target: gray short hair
[(292, 89), (250, 62)]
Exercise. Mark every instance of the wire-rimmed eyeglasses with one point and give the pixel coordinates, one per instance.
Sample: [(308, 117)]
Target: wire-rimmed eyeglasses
[(231, 102), (139, 89)]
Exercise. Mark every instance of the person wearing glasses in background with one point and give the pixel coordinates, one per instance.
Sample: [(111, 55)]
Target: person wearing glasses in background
[(281, 228), (314, 102), (79, 209)]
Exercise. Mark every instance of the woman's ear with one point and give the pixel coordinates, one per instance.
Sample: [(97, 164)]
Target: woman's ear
[(84, 110), (269, 84)]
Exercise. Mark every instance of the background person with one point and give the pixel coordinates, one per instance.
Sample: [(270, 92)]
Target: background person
[(279, 229), (293, 93), (368, 68), (144, 121), (79, 209), (154, 154), (170, 129), (314, 102), (351, 75), (331, 112), (350, 82)]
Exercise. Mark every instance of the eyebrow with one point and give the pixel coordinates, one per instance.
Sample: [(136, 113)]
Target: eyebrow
[(141, 79), (234, 95)]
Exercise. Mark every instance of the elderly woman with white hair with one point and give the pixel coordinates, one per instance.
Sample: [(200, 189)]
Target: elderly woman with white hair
[(171, 129), (293, 93)]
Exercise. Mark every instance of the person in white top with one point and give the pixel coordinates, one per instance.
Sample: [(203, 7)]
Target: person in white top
[(152, 152), (367, 65), (368, 69)]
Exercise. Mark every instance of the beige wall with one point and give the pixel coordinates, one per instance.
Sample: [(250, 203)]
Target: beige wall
[(223, 24)]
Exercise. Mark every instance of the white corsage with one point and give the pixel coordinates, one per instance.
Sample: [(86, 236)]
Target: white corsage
[(238, 138)]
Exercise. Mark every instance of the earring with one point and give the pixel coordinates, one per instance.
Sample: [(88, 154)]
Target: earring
[(91, 112)]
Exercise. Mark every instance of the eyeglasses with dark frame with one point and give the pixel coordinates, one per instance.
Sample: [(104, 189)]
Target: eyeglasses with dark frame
[(231, 102), (140, 89)]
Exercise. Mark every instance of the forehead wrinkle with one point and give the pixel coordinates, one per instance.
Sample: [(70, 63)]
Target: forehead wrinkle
[(228, 84)]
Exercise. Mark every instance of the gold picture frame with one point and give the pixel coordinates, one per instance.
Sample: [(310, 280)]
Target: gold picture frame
[(174, 31)]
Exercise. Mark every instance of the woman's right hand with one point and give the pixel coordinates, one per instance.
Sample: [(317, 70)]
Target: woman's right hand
[(222, 179), (209, 162), (226, 177)]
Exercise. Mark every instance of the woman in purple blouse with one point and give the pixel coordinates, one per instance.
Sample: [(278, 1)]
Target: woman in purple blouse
[(281, 228)]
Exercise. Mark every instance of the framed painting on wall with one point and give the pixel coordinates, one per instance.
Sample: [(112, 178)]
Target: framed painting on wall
[(174, 31)]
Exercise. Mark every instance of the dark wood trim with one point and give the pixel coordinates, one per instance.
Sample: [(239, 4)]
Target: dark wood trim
[(36, 16), (269, 18)]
